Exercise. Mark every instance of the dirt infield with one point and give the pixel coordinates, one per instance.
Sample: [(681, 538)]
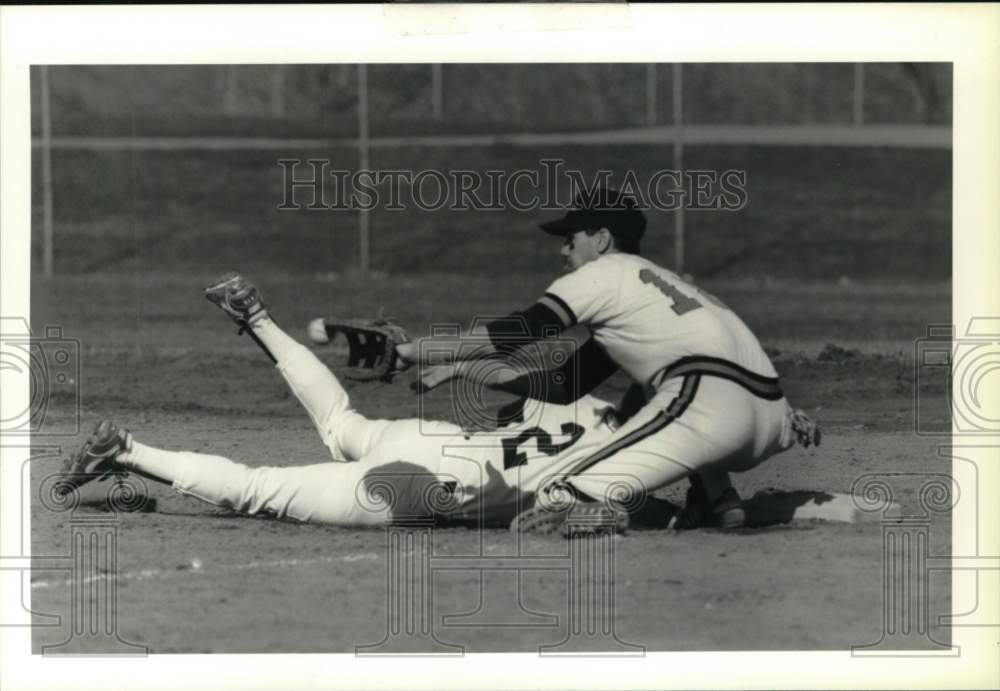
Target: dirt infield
[(158, 359)]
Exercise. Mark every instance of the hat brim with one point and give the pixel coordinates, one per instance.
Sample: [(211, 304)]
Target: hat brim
[(560, 227)]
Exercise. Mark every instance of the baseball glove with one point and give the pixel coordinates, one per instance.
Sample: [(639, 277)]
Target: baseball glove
[(372, 347)]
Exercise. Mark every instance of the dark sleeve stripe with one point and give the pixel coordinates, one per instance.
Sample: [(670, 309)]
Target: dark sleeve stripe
[(521, 328), (503, 331), (559, 306)]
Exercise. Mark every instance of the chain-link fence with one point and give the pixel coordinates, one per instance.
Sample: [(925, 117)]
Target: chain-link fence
[(131, 159)]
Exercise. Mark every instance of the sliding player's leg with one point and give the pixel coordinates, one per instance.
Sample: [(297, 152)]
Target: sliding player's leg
[(347, 434), (323, 493), (372, 491), (369, 492)]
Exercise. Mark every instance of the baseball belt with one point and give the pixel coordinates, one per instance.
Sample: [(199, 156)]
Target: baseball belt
[(760, 386)]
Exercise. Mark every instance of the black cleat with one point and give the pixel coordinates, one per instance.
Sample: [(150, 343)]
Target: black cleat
[(583, 518), (725, 512), (237, 298), (96, 459)]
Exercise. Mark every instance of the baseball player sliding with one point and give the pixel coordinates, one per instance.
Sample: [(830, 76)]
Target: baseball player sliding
[(381, 470), (713, 401)]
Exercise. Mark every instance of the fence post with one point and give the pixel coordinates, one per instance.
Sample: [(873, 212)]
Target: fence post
[(47, 230), (278, 91), (859, 94), (651, 94), (678, 107), (437, 91), (231, 96), (363, 165)]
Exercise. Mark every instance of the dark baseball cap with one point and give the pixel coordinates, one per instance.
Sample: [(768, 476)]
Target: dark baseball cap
[(601, 208)]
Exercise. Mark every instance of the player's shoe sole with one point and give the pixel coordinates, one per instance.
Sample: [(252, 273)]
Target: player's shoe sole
[(237, 297), (580, 520), (96, 459), (807, 432)]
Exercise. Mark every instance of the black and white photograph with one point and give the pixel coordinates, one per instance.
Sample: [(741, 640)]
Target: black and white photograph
[(406, 355)]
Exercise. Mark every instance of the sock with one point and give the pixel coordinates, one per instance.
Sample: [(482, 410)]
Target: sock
[(281, 345), (715, 483)]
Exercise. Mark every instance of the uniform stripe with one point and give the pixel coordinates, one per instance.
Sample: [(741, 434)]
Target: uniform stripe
[(673, 411), (763, 387), (521, 328), (559, 306)]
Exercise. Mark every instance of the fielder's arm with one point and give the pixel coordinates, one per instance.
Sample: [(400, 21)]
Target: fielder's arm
[(581, 373), (496, 338), (473, 345)]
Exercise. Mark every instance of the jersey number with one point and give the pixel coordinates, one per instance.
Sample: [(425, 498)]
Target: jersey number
[(512, 457), (682, 304)]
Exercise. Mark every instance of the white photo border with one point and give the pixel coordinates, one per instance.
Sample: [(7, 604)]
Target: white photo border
[(965, 35)]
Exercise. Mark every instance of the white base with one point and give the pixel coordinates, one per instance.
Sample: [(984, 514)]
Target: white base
[(773, 506)]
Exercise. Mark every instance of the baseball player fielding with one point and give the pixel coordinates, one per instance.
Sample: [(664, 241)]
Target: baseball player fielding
[(705, 402)]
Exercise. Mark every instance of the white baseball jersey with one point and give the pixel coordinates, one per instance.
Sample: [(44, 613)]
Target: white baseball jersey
[(647, 317), (497, 471)]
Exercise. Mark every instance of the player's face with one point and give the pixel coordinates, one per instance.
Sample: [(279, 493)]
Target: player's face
[(579, 249)]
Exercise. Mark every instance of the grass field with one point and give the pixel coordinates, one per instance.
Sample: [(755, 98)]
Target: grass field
[(811, 214), (160, 360), (322, 99)]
